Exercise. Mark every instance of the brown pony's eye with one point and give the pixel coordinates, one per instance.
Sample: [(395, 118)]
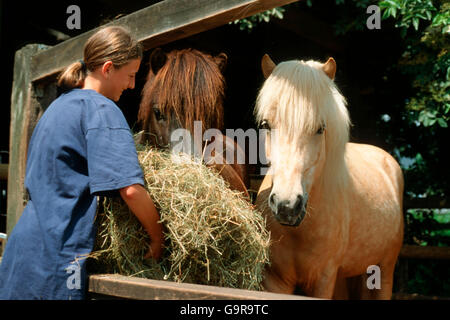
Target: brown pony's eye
[(158, 115), (264, 125)]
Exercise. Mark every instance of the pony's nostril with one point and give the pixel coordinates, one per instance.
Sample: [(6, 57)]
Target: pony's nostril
[(272, 199), (300, 202)]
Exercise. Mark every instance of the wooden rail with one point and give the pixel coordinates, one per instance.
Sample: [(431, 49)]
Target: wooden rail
[(156, 25), (418, 252), (113, 285)]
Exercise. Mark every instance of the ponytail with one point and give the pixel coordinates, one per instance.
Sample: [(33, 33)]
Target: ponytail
[(73, 76)]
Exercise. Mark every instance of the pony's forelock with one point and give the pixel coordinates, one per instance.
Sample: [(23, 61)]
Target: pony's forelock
[(190, 85)]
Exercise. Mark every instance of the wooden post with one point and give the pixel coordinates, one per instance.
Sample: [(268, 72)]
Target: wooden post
[(25, 110)]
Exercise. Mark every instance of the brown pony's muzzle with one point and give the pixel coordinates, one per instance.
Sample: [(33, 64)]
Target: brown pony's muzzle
[(287, 212)]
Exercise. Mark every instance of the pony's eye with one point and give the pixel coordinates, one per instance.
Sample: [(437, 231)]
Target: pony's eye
[(158, 115), (321, 129), (264, 125)]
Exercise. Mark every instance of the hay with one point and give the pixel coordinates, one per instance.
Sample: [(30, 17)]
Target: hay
[(212, 234)]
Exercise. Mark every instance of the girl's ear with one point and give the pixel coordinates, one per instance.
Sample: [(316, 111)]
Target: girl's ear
[(107, 68)]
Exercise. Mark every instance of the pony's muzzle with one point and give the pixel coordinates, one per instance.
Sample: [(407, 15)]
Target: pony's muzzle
[(287, 212)]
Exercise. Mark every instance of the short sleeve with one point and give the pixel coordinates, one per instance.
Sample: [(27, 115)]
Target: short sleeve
[(112, 160)]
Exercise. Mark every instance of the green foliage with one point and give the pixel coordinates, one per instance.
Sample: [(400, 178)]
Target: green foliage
[(251, 22), (426, 58), (426, 227), (409, 12), (354, 17)]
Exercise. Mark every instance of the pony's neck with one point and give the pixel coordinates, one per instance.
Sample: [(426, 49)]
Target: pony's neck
[(330, 183)]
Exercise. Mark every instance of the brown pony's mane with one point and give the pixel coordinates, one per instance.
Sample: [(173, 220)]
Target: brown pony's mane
[(189, 86)]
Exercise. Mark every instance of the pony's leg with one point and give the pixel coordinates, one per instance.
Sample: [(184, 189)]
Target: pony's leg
[(341, 289), (386, 283), (273, 283), (324, 286)]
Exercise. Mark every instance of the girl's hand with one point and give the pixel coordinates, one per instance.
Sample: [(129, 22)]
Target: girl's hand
[(155, 250)]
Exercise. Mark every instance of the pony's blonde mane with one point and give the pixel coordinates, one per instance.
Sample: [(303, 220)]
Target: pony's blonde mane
[(296, 99)]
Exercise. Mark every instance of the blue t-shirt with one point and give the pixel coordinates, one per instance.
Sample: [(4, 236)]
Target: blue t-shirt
[(81, 147)]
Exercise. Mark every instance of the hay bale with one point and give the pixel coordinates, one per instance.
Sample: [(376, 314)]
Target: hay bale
[(212, 234)]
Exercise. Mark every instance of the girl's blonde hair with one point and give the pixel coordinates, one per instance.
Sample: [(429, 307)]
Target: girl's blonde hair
[(112, 43)]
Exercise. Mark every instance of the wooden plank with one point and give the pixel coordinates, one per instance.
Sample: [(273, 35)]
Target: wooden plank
[(156, 25), (146, 289), (418, 252), (422, 203), (3, 172)]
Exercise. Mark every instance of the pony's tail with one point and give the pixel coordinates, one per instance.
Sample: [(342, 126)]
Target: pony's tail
[(73, 76)]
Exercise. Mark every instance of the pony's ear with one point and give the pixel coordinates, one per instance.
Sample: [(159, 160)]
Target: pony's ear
[(267, 65), (158, 59), (329, 68), (221, 60)]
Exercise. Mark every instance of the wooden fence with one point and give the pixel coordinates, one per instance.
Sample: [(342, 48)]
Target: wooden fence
[(409, 252)]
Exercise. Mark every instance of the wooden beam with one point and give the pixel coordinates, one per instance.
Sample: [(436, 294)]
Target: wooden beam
[(418, 252), (422, 203), (156, 25), (115, 285)]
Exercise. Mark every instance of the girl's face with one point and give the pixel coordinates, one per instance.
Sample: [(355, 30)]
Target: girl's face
[(120, 79)]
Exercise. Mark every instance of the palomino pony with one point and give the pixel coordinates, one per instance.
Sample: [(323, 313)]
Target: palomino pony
[(334, 208), (182, 87)]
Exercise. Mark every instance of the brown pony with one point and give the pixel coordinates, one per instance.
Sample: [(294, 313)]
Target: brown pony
[(334, 208), (185, 87)]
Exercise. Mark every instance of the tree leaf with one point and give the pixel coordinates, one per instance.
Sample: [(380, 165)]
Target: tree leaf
[(442, 122), (416, 23)]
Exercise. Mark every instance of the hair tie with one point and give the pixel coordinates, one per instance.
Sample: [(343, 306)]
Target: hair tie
[(83, 64)]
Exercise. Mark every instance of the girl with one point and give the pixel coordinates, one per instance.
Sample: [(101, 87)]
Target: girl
[(81, 147)]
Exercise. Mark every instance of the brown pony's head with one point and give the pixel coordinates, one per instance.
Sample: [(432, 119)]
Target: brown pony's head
[(182, 86)]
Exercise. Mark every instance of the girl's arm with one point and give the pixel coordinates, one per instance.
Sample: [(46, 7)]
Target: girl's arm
[(141, 204)]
